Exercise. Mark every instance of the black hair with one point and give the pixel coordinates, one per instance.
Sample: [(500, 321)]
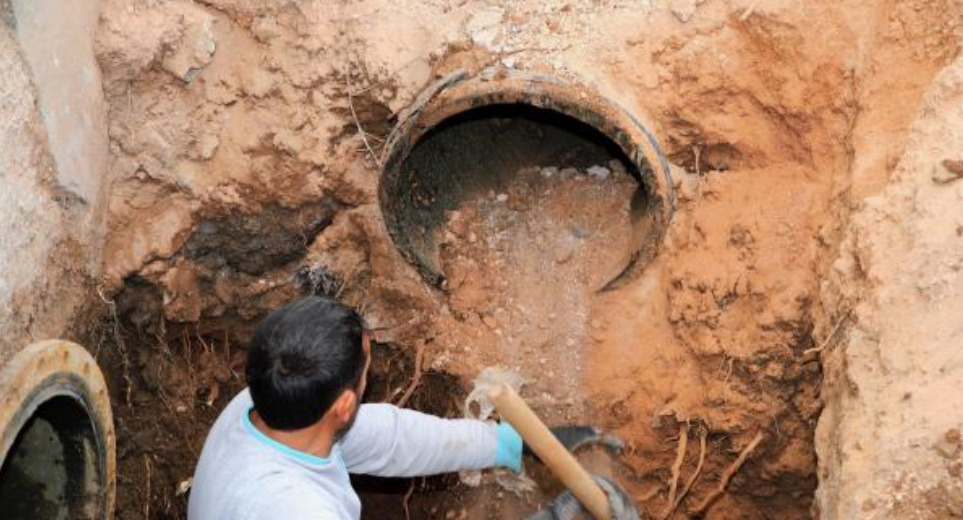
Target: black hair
[(301, 358)]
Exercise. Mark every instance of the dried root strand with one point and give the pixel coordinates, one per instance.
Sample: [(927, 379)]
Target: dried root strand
[(416, 378), (748, 12), (407, 499), (832, 334), (677, 467), (727, 475), (361, 131), (703, 433)]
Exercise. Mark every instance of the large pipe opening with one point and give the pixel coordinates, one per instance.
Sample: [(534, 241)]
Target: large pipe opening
[(480, 151), (56, 435), (464, 139), (52, 469)]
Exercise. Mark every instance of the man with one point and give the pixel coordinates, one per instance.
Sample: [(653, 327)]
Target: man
[(283, 448)]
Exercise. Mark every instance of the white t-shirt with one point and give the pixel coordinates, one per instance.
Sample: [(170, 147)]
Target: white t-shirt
[(245, 475)]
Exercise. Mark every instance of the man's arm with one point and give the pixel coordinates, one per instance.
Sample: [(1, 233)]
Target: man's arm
[(389, 441)]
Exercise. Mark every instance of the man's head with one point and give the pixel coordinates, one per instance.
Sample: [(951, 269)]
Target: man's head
[(306, 359)]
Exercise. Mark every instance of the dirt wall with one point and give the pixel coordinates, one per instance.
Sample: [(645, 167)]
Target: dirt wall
[(52, 166), (889, 437)]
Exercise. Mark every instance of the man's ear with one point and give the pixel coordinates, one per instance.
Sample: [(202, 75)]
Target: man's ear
[(345, 405)]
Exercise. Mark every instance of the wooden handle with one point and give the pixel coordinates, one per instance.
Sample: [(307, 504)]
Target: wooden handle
[(513, 409)]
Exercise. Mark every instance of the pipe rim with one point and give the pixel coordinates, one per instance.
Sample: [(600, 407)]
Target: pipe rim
[(461, 92), (48, 370)]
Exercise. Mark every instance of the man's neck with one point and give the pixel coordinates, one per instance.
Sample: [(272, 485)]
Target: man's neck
[(314, 440)]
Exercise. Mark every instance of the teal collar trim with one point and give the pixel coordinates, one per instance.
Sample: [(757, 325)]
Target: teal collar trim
[(307, 458)]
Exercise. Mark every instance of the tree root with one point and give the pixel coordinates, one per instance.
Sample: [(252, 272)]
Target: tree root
[(404, 502), (677, 467), (703, 433), (727, 475), (416, 378)]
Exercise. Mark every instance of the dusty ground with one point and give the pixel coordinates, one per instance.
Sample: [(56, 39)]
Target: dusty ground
[(899, 290), (238, 160)]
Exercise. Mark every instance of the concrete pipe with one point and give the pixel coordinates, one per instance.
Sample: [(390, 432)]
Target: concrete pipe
[(462, 128), (57, 449)]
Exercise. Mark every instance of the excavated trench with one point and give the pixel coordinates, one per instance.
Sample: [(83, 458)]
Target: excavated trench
[(591, 180), (516, 217), (514, 225)]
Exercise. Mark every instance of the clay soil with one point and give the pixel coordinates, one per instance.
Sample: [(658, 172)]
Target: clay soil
[(246, 145)]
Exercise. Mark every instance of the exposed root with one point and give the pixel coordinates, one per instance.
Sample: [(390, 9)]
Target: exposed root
[(361, 131), (188, 358), (415, 378), (748, 12), (727, 475), (703, 433), (648, 495), (725, 383), (407, 498), (497, 57), (677, 467), (121, 345), (347, 281), (147, 502), (227, 348), (832, 334)]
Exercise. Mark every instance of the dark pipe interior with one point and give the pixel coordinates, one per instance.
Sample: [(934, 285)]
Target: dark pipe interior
[(478, 151), (50, 471)]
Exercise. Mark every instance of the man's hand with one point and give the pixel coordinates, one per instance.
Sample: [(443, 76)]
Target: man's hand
[(567, 507)]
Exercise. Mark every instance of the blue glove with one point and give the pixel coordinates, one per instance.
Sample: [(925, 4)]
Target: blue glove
[(508, 451)]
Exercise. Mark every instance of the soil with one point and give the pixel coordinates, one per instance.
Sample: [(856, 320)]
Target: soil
[(523, 267), (245, 138), (168, 387), (898, 288)]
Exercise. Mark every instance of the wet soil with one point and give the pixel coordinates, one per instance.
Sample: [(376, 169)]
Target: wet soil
[(167, 388)]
